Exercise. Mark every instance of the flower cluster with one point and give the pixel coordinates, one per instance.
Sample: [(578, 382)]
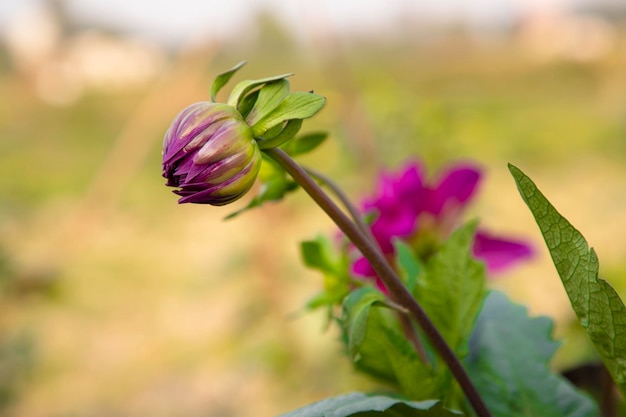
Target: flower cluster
[(423, 214)]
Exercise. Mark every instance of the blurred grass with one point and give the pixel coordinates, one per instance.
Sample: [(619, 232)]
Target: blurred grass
[(138, 306)]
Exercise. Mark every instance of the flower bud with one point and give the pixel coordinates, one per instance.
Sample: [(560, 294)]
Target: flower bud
[(209, 152)]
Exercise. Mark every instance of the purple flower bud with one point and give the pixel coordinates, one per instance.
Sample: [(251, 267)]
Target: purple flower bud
[(209, 152)]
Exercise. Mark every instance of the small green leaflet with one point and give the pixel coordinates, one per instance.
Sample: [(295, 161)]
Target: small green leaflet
[(304, 143), (598, 307), (379, 347), (363, 405), (357, 307), (223, 78), (508, 363), (297, 105), (321, 254)]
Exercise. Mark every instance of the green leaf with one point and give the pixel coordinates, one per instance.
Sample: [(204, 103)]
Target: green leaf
[(244, 87), (408, 264), (223, 78), (357, 308), (508, 363), (379, 347), (317, 254), (452, 289), (270, 96), (305, 143), (322, 254), (598, 307), (363, 405), (295, 106)]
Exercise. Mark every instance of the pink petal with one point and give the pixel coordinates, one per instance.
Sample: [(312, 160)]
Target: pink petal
[(500, 253), (455, 188), (362, 267)]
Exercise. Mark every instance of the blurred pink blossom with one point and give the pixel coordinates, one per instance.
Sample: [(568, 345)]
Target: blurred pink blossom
[(424, 213)]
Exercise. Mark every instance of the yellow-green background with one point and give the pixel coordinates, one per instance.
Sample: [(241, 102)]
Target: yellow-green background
[(118, 302)]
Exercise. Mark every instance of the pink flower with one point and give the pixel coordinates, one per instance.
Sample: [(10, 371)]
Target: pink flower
[(423, 214)]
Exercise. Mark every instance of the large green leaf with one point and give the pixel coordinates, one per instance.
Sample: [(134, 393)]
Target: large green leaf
[(452, 289), (508, 363), (363, 405), (598, 307)]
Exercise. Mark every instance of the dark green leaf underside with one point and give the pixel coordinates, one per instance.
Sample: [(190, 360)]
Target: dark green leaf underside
[(362, 405), (509, 364)]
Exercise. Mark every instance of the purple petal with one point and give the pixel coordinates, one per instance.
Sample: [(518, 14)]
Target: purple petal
[(500, 253), (362, 267), (396, 223), (455, 188), (406, 187), (397, 204), (410, 185)]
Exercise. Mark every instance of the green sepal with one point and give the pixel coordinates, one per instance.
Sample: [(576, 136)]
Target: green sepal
[(223, 78), (247, 103), (364, 405), (244, 87), (304, 143), (599, 308), (297, 105), (291, 129), (269, 97)]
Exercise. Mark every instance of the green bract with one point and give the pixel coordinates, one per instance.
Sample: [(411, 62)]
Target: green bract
[(212, 151), (274, 114)]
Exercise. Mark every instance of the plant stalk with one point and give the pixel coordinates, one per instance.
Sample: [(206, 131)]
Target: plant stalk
[(405, 321), (378, 262)]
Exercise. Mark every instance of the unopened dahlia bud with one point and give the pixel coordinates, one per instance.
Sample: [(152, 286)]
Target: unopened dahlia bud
[(209, 152)]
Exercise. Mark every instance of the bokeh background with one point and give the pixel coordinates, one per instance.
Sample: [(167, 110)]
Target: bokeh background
[(116, 301)]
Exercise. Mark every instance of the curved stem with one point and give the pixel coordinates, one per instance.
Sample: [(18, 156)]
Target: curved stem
[(396, 288), (354, 213)]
